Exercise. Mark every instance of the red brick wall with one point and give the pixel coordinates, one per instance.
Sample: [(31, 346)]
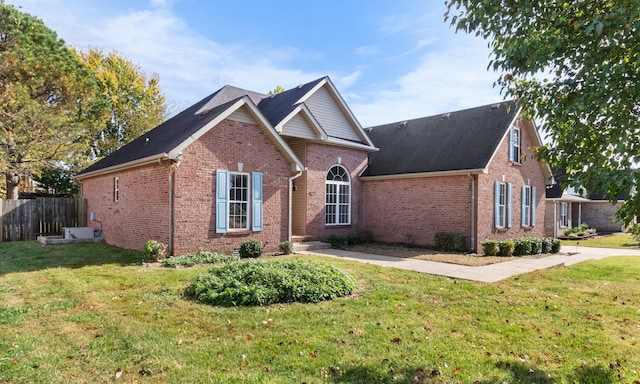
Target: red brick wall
[(412, 210), (319, 159), (140, 214), (527, 172), (223, 147), (601, 216)]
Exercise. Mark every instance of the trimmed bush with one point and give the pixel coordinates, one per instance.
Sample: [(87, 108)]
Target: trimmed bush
[(490, 247), (201, 257), (265, 282), (555, 246), (536, 245), (506, 248), (155, 250), (286, 247), (338, 241), (251, 249), (453, 242), (522, 246)]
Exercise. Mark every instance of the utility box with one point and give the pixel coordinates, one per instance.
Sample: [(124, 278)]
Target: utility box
[(77, 232)]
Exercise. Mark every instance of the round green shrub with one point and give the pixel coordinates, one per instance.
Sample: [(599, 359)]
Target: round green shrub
[(155, 250), (265, 282), (286, 247), (490, 247), (251, 249), (506, 248)]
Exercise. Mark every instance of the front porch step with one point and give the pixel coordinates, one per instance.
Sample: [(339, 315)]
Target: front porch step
[(310, 246), (303, 238)]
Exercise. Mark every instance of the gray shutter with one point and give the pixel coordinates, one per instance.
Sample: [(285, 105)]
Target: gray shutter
[(256, 197), (496, 201), (522, 206), (222, 200), (509, 194)]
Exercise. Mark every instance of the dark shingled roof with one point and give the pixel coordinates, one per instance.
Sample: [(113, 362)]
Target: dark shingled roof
[(169, 134), (461, 140), (278, 106)]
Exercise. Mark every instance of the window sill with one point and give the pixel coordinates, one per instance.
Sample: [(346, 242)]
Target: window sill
[(516, 163), (238, 233), (337, 225)]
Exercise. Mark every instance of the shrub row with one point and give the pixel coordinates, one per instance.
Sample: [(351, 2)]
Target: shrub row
[(453, 242), (201, 257), (521, 246), (264, 282), (582, 230)]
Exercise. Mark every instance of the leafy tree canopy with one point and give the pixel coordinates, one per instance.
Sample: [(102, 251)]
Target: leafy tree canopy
[(576, 65), (48, 98), (134, 101)]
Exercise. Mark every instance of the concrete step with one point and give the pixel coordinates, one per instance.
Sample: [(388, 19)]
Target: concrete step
[(310, 246)]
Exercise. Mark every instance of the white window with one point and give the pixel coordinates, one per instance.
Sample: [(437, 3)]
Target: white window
[(116, 189), (514, 147), (564, 215), (238, 201), (338, 197), (502, 200)]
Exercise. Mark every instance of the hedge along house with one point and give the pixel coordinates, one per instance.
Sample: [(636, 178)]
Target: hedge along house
[(470, 172), (237, 165)]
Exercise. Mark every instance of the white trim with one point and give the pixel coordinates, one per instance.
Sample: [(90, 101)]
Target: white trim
[(337, 204), (303, 109), (247, 202), (462, 172), (130, 164)]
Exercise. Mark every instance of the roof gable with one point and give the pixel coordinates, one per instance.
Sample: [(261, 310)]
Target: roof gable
[(441, 143)]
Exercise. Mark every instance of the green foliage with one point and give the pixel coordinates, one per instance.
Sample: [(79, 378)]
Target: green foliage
[(155, 250), (251, 249), (555, 245), (260, 282), (48, 98), (582, 230), (200, 257), (56, 180), (522, 246), (506, 248), (286, 247), (338, 241), (491, 247), (575, 64), (453, 242), (134, 101)]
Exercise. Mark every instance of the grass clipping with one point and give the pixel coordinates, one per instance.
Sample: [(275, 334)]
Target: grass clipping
[(262, 282)]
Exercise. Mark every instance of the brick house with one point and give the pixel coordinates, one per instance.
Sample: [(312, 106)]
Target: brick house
[(236, 165), (470, 172), (297, 165)]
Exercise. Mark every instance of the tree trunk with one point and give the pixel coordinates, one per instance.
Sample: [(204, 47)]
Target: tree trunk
[(13, 181)]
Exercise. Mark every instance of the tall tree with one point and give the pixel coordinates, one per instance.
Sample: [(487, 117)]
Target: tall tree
[(135, 101), (576, 64), (47, 98)]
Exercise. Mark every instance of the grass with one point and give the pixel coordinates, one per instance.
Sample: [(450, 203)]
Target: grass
[(615, 240), (93, 313)]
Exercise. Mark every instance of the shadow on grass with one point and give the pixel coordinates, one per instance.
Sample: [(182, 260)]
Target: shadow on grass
[(28, 256), (518, 372)]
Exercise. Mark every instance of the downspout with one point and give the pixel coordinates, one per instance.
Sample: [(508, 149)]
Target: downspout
[(580, 213), (473, 212), (173, 164), (289, 234), (555, 219)]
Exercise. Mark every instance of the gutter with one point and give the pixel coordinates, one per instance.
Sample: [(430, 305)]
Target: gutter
[(129, 164), (464, 172), (298, 174)]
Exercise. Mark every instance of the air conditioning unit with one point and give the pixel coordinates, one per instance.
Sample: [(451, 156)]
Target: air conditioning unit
[(77, 232)]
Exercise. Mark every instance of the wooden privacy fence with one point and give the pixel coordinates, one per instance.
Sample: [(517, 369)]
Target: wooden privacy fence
[(26, 219)]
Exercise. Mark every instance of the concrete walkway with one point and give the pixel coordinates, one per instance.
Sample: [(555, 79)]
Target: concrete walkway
[(487, 273)]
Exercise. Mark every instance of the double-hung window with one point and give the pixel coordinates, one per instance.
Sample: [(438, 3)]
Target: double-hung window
[(238, 201), (337, 197), (564, 215), (116, 189), (514, 144), (528, 206), (502, 201)]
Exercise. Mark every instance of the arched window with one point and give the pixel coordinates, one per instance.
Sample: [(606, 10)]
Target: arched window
[(338, 197)]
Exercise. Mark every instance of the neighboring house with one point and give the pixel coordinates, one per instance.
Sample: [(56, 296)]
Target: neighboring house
[(234, 166), (567, 209), (471, 172), (297, 165)]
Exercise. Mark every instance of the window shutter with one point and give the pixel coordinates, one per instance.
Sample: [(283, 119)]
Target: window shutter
[(511, 143), (222, 199), (496, 203), (533, 206), (256, 196), (522, 206), (509, 194)]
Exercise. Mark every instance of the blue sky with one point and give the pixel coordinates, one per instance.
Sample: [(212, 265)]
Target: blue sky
[(390, 60)]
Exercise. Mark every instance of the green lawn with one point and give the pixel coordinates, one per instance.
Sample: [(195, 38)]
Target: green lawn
[(615, 240), (92, 313)]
